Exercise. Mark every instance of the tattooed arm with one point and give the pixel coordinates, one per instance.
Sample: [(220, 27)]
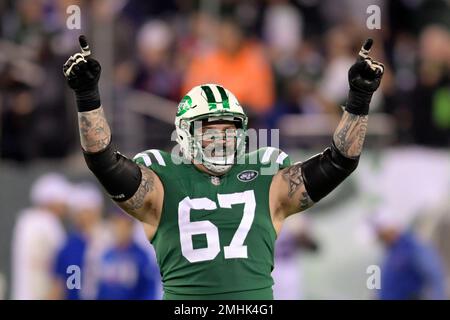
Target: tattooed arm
[(299, 186), (146, 204), (288, 194), (289, 183), (135, 188), (350, 134), (95, 135)]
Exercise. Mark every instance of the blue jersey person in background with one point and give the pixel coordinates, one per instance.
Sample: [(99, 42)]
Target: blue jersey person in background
[(127, 273), (68, 262), (75, 265), (411, 269)]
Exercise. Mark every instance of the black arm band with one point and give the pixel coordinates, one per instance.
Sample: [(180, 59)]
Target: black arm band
[(325, 171), (358, 102), (119, 175), (88, 100)]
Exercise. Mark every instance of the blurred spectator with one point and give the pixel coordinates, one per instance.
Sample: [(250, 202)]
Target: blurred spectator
[(297, 84), (126, 271), (430, 100), (340, 55), (18, 117), (157, 74), (411, 269), (37, 236), (33, 40), (83, 247), (137, 12), (294, 239), (279, 17), (239, 64), (196, 36), (140, 237), (27, 24)]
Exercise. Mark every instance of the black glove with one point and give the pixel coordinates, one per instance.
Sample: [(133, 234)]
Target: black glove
[(364, 77), (82, 74)]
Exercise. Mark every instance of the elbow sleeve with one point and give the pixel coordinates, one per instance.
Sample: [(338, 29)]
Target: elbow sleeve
[(119, 175), (324, 172)]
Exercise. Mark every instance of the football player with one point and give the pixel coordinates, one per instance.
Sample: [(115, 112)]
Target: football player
[(213, 213)]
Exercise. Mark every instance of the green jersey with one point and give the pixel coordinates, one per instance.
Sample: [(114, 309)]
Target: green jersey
[(215, 238)]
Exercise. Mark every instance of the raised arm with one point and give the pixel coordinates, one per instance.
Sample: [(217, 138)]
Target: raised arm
[(135, 188), (299, 186)]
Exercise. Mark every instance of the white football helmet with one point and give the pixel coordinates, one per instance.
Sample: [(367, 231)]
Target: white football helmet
[(209, 102)]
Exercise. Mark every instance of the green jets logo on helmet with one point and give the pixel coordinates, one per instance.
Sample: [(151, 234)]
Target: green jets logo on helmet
[(185, 105)]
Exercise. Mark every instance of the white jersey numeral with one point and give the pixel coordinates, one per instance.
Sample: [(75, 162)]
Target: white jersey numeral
[(188, 229), (236, 249)]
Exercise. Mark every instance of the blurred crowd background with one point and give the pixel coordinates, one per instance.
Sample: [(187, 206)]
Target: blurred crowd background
[(287, 62)]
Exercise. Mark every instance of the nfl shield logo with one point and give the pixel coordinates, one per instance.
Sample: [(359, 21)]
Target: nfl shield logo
[(215, 180)]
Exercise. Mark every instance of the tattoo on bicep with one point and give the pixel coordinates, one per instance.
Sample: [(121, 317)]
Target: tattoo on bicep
[(137, 201), (95, 133), (293, 176), (350, 134)]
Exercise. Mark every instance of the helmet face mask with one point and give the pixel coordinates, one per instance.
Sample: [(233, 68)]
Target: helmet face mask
[(211, 131)]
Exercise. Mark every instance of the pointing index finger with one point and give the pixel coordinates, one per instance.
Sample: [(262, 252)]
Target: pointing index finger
[(365, 49), (85, 51)]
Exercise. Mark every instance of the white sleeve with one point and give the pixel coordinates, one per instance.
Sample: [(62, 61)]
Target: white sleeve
[(35, 243), (22, 248)]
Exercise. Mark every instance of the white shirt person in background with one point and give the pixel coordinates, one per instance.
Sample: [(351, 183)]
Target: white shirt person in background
[(37, 235)]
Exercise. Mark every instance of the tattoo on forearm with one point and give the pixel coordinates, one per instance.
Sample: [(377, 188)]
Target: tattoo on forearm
[(350, 134), (137, 201), (293, 176), (95, 133)]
